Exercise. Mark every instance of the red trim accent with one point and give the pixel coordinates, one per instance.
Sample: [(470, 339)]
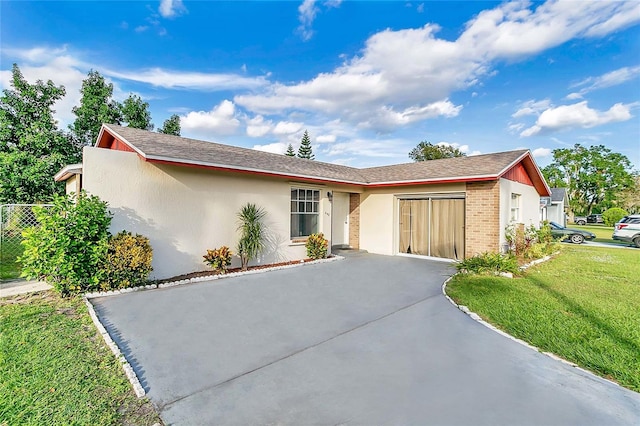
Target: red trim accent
[(518, 174), (119, 145)]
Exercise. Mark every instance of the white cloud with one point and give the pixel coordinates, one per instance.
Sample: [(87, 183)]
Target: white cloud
[(532, 107), (420, 8), (258, 126), (172, 79), (577, 115), (612, 78), (171, 8), (275, 148), (541, 152), (221, 120), (515, 127), (332, 4), (306, 14), (574, 96), (399, 72), (326, 138), (141, 28), (287, 128)]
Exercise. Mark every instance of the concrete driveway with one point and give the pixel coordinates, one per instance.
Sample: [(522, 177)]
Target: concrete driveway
[(366, 340)]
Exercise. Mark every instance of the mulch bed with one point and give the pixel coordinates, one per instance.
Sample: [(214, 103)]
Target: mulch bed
[(210, 272)]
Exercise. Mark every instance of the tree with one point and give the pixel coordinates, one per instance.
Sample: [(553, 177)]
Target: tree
[(135, 112), (305, 150), (593, 176), (629, 199), (171, 126), (425, 151), (32, 148), (96, 107), (290, 152)]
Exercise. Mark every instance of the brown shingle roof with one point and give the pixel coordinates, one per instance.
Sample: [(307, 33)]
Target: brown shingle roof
[(158, 147), (460, 168)]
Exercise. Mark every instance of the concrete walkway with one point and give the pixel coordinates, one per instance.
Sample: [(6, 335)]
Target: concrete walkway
[(15, 287), (367, 340)]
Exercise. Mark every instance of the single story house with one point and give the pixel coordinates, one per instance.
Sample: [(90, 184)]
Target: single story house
[(556, 206), (184, 195)]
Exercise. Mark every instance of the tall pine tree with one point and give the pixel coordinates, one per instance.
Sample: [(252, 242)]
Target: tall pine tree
[(290, 152), (305, 150)]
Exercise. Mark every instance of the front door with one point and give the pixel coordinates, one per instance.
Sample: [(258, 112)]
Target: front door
[(340, 219)]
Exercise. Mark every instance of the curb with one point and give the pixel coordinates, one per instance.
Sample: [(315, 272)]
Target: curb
[(478, 319), (128, 370)]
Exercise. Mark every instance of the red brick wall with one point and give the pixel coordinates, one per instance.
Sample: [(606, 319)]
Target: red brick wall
[(354, 221), (482, 224)]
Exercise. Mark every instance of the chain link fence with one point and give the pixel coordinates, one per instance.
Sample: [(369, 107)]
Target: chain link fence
[(14, 218)]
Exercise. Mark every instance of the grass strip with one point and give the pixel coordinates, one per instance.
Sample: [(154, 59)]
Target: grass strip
[(583, 305), (56, 369)]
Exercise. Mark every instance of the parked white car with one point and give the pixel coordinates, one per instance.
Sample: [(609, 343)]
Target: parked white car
[(628, 230)]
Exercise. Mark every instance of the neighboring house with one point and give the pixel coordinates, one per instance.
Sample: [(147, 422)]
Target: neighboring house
[(556, 207), (184, 194)]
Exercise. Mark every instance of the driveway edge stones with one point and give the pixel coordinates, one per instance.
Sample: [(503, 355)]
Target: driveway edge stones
[(478, 319), (128, 370)]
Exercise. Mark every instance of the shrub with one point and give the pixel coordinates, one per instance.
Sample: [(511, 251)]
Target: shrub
[(68, 246), (530, 243), (489, 263), (252, 233), (218, 259), (613, 215), (127, 262), (317, 246)]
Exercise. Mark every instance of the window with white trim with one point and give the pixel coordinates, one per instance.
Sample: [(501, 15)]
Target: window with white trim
[(305, 208), (515, 207)]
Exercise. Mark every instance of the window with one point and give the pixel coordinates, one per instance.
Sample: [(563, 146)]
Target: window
[(305, 205), (515, 207)]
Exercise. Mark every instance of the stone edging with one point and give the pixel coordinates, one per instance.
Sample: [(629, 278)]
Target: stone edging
[(478, 319), (128, 370), (208, 278)]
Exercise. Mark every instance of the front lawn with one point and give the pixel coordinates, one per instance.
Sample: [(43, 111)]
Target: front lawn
[(583, 305), (603, 233), (56, 368)]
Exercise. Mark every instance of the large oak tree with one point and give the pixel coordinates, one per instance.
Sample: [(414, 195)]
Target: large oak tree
[(593, 176)]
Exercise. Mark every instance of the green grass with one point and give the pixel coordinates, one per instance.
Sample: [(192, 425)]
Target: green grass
[(583, 305), (603, 233), (9, 267), (56, 369)]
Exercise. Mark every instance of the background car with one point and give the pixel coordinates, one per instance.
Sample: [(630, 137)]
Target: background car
[(576, 236), (595, 218), (628, 230), (580, 220)]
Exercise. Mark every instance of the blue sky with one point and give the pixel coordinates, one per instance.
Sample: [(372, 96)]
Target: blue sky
[(368, 80)]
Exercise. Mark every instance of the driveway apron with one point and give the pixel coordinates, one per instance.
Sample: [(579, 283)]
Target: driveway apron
[(366, 340)]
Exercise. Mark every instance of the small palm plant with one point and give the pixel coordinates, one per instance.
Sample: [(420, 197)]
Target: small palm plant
[(252, 233)]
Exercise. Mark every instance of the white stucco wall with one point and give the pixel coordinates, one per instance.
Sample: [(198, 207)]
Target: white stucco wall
[(379, 214), (185, 211), (529, 205)]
